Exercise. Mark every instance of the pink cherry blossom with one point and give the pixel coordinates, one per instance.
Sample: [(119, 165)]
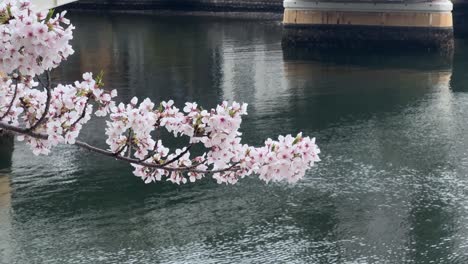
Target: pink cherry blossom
[(33, 43)]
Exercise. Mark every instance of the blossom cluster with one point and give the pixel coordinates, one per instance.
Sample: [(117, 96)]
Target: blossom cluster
[(70, 107), (34, 43), (9, 91), (131, 126)]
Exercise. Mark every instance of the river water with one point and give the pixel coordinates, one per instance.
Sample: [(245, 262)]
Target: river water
[(392, 186)]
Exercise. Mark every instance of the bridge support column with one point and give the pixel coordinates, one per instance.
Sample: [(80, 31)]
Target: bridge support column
[(47, 4), (6, 149), (377, 24)]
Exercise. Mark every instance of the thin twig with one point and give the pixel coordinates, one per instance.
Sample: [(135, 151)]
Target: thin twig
[(83, 113), (198, 164), (150, 154), (177, 157), (11, 103), (153, 152), (117, 153), (129, 143)]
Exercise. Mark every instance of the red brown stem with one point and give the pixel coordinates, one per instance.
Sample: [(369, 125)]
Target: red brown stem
[(11, 103)]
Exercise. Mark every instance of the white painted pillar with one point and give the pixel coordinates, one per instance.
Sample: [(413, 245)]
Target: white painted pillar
[(427, 23), (48, 4)]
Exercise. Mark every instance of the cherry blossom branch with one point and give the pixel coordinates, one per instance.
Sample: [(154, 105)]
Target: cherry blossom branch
[(158, 135), (91, 148), (149, 165), (178, 156), (83, 113), (118, 152), (48, 80), (129, 142), (47, 104), (12, 102), (22, 131), (33, 44), (150, 155)]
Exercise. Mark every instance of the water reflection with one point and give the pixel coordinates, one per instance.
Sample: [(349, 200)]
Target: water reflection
[(383, 104), (380, 82), (5, 191), (460, 25), (460, 76), (5, 219), (391, 188), (6, 150)]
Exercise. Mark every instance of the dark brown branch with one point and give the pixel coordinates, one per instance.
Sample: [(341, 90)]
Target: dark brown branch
[(47, 106), (22, 131), (42, 83), (86, 146), (127, 142), (83, 113), (117, 153), (177, 157), (153, 151), (12, 102), (200, 163)]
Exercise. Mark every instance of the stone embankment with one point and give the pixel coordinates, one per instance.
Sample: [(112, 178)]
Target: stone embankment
[(386, 24), (186, 5), (201, 5), (369, 24)]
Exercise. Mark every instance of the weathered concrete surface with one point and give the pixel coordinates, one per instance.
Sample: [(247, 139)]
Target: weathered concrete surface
[(393, 18)]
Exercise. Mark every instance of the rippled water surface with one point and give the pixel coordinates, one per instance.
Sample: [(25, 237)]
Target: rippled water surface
[(392, 186)]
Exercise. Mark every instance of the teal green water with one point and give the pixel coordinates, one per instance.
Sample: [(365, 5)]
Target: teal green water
[(392, 186)]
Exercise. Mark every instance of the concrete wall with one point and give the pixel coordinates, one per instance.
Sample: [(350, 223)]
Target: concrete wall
[(192, 5)]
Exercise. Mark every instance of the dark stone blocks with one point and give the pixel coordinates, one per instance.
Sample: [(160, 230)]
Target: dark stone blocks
[(369, 37)]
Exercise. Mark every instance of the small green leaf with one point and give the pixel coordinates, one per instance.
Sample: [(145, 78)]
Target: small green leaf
[(297, 139), (9, 10), (99, 79), (4, 18), (49, 15)]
